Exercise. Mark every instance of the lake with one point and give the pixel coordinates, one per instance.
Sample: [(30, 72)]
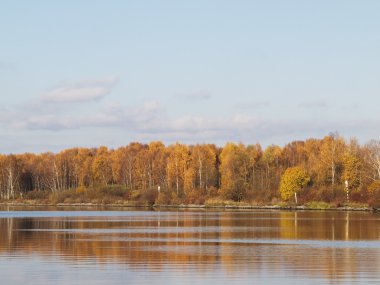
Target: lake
[(48, 246)]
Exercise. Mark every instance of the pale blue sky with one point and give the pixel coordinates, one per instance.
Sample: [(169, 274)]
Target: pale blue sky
[(90, 73)]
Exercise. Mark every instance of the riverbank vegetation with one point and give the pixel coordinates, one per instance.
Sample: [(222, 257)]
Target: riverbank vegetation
[(331, 172)]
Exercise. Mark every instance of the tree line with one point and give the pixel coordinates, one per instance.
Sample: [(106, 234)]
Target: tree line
[(193, 173)]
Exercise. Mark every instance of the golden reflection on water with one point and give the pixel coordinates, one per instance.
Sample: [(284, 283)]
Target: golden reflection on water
[(329, 246)]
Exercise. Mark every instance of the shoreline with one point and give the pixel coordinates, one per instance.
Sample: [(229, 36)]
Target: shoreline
[(193, 206)]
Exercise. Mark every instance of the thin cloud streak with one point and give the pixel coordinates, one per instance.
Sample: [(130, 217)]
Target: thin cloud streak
[(151, 121), (83, 91)]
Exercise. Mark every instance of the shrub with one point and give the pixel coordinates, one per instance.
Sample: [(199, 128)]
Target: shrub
[(318, 205), (149, 196), (213, 192), (36, 195), (66, 196), (235, 193), (164, 198), (196, 196), (81, 190), (359, 195), (97, 194), (326, 194), (215, 202), (339, 197), (374, 194)]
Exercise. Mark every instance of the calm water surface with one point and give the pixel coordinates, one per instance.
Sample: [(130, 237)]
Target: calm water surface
[(188, 247)]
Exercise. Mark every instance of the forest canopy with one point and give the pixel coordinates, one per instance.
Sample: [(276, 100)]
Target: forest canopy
[(179, 173)]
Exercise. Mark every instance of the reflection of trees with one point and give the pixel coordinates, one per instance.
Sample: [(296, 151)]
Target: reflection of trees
[(334, 260), (327, 225), (238, 242)]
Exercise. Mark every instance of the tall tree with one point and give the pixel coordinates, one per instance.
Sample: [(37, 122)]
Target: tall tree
[(373, 158), (234, 171), (272, 163), (142, 168), (157, 159), (177, 165), (254, 154), (204, 165), (352, 165), (101, 166), (12, 175), (331, 155), (84, 166)]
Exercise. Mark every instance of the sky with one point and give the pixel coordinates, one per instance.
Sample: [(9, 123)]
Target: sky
[(85, 73)]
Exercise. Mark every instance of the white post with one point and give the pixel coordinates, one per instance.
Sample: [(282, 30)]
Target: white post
[(347, 191)]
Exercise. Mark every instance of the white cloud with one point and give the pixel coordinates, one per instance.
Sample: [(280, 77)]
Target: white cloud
[(197, 124), (110, 115), (150, 107), (80, 91), (59, 123), (150, 121)]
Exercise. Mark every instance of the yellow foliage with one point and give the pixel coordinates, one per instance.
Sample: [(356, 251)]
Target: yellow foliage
[(292, 181)]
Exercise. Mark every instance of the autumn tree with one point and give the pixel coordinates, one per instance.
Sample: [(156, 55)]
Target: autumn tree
[(271, 161), (65, 170), (234, 171), (157, 160), (189, 178), (203, 158), (331, 156), (352, 165), (43, 172), (12, 175), (254, 155), (119, 166), (124, 166), (83, 162), (176, 166), (292, 182), (101, 167), (374, 193), (3, 183), (293, 154), (142, 168), (373, 158), (131, 154), (312, 161)]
